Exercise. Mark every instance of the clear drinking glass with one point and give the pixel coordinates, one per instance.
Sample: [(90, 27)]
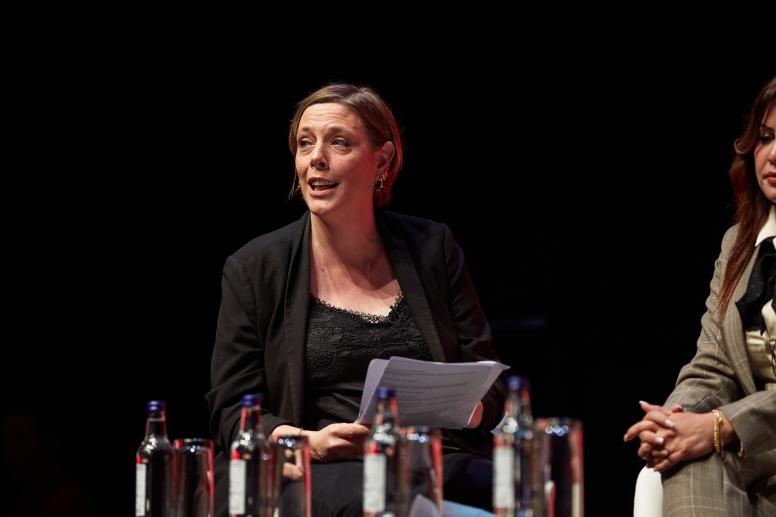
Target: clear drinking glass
[(423, 449), (560, 452), (194, 472), (296, 500)]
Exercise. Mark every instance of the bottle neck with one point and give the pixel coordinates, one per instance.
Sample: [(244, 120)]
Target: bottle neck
[(250, 420), (156, 424), (513, 407), (525, 403), (387, 413)]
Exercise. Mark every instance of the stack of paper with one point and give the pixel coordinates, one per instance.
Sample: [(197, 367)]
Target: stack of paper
[(429, 393)]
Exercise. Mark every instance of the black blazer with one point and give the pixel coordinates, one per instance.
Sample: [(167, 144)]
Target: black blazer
[(262, 323)]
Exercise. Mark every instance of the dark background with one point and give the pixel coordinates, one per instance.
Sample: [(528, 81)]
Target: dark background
[(587, 190)]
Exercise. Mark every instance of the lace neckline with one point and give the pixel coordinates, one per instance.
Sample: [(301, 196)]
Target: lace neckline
[(366, 316)]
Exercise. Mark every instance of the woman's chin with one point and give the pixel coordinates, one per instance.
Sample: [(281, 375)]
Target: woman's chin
[(322, 208), (769, 191)]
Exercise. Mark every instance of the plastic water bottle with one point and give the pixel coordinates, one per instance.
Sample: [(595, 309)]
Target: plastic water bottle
[(385, 471), (250, 465), (513, 455), (154, 466)]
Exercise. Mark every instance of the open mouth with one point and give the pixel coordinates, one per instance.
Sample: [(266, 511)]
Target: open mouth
[(320, 186)]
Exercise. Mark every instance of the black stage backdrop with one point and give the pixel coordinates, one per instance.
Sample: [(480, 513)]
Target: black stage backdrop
[(588, 193)]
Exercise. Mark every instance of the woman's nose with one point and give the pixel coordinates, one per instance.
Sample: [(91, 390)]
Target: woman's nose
[(318, 159)]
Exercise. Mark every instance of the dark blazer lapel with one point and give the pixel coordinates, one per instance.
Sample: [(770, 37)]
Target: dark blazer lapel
[(407, 274), (296, 310), (734, 333)]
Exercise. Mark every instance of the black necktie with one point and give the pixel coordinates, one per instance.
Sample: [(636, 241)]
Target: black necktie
[(760, 288)]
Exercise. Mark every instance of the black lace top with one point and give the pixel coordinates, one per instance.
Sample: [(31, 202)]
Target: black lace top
[(340, 344)]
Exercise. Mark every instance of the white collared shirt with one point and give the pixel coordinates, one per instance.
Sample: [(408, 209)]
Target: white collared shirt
[(760, 346)]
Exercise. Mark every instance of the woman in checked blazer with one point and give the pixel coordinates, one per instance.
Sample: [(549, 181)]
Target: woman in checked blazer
[(714, 439)]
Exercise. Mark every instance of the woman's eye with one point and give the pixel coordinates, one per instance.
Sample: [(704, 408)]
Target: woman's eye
[(340, 141), (304, 143), (765, 137)]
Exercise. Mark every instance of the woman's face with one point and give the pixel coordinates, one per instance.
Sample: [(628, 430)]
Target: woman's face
[(335, 161), (765, 155)]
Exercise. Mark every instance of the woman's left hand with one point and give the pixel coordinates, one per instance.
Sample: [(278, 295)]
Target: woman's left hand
[(340, 441), (692, 437)]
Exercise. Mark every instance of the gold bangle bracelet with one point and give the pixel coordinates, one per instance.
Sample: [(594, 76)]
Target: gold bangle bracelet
[(717, 433)]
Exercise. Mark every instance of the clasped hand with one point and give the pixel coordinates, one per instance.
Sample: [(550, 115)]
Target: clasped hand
[(669, 437)]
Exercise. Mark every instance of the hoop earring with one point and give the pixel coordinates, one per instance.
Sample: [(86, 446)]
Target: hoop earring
[(380, 184)]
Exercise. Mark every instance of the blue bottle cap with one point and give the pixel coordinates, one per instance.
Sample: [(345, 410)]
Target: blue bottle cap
[(516, 383), (384, 393), (250, 400), (155, 406)]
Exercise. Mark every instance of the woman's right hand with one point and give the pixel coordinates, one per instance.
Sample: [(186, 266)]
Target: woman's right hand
[(656, 420), (337, 442), (333, 442)]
